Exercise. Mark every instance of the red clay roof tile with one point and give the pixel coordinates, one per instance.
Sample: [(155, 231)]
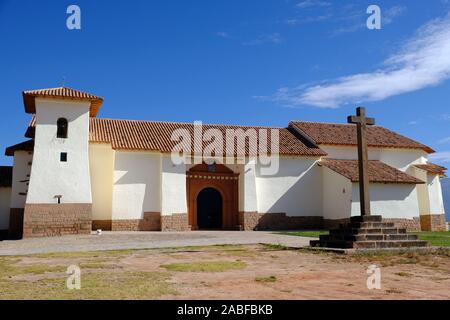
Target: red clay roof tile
[(379, 172), (432, 168), (61, 92), (345, 134)]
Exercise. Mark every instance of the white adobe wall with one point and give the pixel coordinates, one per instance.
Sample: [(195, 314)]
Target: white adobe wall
[(337, 195), (248, 197), (101, 163), (422, 191), (173, 187), (296, 189), (137, 184), (5, 198), (389, 200), (435, 194), (50, 176), (21, 172), (397, 158)]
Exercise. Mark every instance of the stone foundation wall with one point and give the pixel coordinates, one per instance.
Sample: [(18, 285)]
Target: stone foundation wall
[(332, 224), (105, 225), (277, 221), (48, 220), (433, 222), (408, 224), (15, 230), (175, 222), (150, 222)]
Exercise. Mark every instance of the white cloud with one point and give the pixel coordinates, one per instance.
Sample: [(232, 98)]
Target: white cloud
[(274, 38), (444, 141), (390, 14), (413, 123), (312, 3), (442, 157), (223, 34), (422, 62)]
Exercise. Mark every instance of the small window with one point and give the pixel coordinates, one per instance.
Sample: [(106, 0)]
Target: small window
[(63, 127), (63, 157)]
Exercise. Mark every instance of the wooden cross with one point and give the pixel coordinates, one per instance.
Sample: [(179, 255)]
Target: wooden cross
[(363, 160)]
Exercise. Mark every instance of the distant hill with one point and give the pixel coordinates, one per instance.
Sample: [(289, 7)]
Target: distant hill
[(446, 193)]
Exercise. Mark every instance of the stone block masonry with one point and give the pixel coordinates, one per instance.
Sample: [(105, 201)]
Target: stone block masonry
[(433, 222), (150, 222), (175, 222), (277, 221), (48, 220)]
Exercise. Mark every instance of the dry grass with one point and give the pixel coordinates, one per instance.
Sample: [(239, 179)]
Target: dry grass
[(209, 266)]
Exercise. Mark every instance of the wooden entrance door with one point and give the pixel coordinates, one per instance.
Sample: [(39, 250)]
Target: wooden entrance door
[(225, 184)]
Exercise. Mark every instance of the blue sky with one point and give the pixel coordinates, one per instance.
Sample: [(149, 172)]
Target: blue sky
[(239, 62)]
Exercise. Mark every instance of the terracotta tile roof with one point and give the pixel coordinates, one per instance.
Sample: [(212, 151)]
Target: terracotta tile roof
[(156, 136), (379, 172), (61, 92), (432, 168), (23, 146), (5, 177), (152, 135), (345, 134)]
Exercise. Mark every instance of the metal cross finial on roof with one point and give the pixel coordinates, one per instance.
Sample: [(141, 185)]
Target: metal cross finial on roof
[(363, 159), (63, 81)]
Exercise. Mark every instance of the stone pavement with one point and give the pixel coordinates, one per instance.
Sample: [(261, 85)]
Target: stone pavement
[(145, 240)]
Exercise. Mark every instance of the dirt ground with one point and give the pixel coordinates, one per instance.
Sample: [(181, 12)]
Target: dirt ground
[(226, 272)]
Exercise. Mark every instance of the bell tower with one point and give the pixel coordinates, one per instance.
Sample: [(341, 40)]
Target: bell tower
[(59, 199)]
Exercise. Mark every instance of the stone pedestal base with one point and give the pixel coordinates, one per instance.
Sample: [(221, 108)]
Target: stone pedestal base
[(368, 232), (277, 221), (433, 222), (47, 220)]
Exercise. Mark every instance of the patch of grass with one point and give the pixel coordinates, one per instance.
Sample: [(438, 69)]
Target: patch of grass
[(210, 266), (97, 265), (274, 247), (10, 267), (439, 239), (87, 254), (403, 274), (96, 286), (266, 279), (393, 291), (309, 234)]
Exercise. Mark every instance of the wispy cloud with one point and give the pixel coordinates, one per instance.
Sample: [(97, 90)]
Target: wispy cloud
[(356, 19), (305, 20), (223, 34), (422, 62), (444, 141), (312, 3), (390, 14), (274, 38), (442, 157)]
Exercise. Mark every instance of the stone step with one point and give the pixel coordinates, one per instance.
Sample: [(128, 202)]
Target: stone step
[(332, 244), (367, 237), (355, 231), (367, 225), (366, 219), (369, 244), (389, 244)]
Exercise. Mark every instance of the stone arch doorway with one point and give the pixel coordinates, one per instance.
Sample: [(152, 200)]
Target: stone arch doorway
[(209, 209), (222, 180)]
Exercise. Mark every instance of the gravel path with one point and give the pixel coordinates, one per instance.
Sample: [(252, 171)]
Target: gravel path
[(145, 240)]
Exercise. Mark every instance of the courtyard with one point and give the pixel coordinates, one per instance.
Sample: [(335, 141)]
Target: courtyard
[(222, 271)]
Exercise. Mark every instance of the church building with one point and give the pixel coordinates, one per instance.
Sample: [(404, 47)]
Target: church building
[(77, 173)]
